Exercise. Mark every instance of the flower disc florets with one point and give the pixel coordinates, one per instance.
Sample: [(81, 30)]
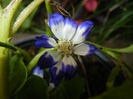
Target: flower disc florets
[(65, 47)]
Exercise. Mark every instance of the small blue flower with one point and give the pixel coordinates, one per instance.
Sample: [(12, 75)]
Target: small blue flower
[(71, 39), (39, 72)]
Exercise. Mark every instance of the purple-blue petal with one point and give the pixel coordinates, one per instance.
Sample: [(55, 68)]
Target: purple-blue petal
[(71, 22), (46, 60), (56, 78), (39, 72), (42, 41), (92, 48), (88, 25), (55, 19), (69, 71)]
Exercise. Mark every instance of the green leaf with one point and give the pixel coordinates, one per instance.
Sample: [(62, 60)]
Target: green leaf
[(69, 89), (34, 88), (128, 49), (122, 92), (123, 20), (28, 22), (24, 14), (17, 74), (126, 17), (4, 2)]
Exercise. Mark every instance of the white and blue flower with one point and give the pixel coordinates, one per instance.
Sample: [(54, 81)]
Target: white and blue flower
[(71, 39)]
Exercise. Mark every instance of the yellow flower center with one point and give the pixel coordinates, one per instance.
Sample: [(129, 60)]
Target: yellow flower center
[(65, 47)]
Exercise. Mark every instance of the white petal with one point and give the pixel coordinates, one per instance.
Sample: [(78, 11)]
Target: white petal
[(55, 55), (52, 42), (51, 86), (56, 23), (84, 49), (59, 67), (69, 29), (82, 32), (69, 61)]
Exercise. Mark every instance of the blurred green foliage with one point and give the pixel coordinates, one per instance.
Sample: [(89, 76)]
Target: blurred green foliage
[(116, 20), (122, 92), (35, 88), (113, 20), (69, 89), (17, 75)]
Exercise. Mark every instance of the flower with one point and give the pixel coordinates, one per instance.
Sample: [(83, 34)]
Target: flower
[(37, 71), (71, 37), (90, 5)]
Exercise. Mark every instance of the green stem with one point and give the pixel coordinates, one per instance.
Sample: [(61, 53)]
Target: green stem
[(6, 18), (49, 11), (34, 61), (5, 22), (24, 14), (8, 46), (102, 47), (0, 7), (3, 76), (48, 7), (110, 49), (126, 69), (114, 56), (26, 55)]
